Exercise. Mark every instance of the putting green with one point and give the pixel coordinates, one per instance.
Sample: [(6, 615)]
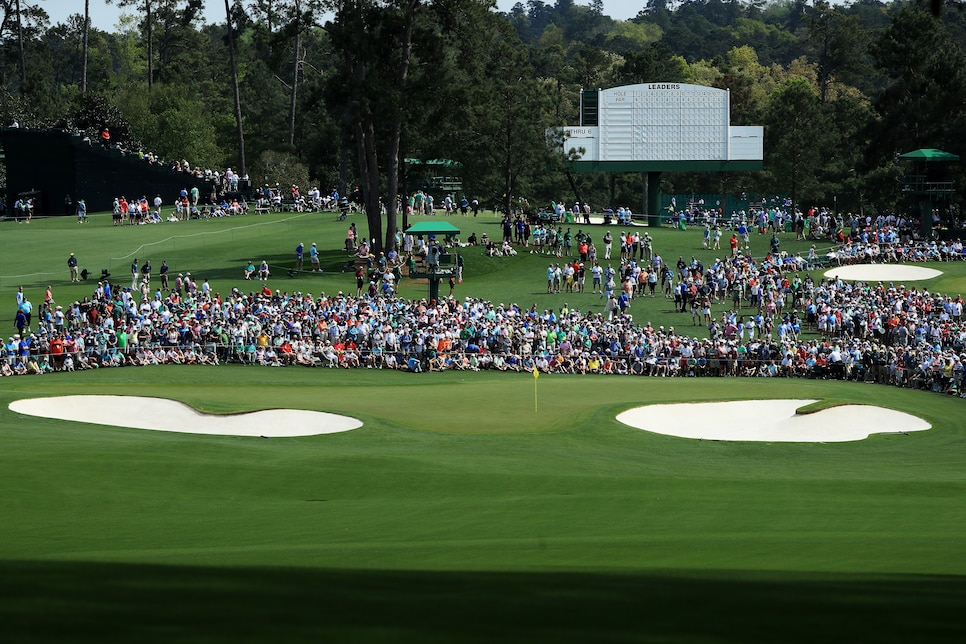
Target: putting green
[(484, 503)]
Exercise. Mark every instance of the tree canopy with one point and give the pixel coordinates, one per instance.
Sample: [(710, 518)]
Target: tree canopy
[(341, 92)]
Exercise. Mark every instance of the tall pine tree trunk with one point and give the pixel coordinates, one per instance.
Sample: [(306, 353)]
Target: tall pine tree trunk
[(22, 59), (242, 170), (150, 27), (87, 29), (370, 178), (295, 79), (395, 143)]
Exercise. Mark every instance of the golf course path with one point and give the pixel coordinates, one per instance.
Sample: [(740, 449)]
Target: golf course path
[(770, 421), (164, 415)]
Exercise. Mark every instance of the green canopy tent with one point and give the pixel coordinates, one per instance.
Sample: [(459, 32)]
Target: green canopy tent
[(445, 163), (929, 154), (433, 228)]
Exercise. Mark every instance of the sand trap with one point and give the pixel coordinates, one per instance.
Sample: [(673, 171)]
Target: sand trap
[(170, 416), (770, 421), (883, 272)]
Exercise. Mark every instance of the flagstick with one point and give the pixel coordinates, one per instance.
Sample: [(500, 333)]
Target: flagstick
[(536, 376)]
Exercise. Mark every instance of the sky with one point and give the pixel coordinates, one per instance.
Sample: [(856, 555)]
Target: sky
[(104, 16)]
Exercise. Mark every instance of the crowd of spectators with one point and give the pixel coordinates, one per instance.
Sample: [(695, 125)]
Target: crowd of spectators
[(226, 197), (891, 334), (816, 224), (225, 180)]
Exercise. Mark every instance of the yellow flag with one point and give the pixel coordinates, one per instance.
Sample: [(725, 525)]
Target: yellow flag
[(536, 374)]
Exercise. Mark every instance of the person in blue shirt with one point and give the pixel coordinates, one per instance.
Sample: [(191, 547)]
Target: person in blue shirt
[(623, 301), (299, 250), (314, 258), (24, 346), (20, 322), (10, 347), (27, 309)]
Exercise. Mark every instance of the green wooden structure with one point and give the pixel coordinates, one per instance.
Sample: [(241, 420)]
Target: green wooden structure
[(438, 267), (929, 180)]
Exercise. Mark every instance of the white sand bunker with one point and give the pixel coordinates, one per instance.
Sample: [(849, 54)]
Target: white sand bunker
[(770, 421), (171, 416), (883, 272)]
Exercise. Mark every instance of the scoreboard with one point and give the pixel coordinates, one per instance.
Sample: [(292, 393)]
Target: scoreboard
[(657, 122)]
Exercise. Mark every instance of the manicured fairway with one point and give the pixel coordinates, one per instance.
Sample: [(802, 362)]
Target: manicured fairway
[(457, 513)]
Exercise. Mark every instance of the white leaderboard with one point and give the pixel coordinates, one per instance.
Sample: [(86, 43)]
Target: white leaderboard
[(663, 122)]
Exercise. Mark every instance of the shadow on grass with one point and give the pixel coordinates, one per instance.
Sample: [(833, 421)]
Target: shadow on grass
[(79, 602)]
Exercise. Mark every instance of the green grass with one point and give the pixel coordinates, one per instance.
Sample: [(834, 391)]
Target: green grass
[(457, 512)]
